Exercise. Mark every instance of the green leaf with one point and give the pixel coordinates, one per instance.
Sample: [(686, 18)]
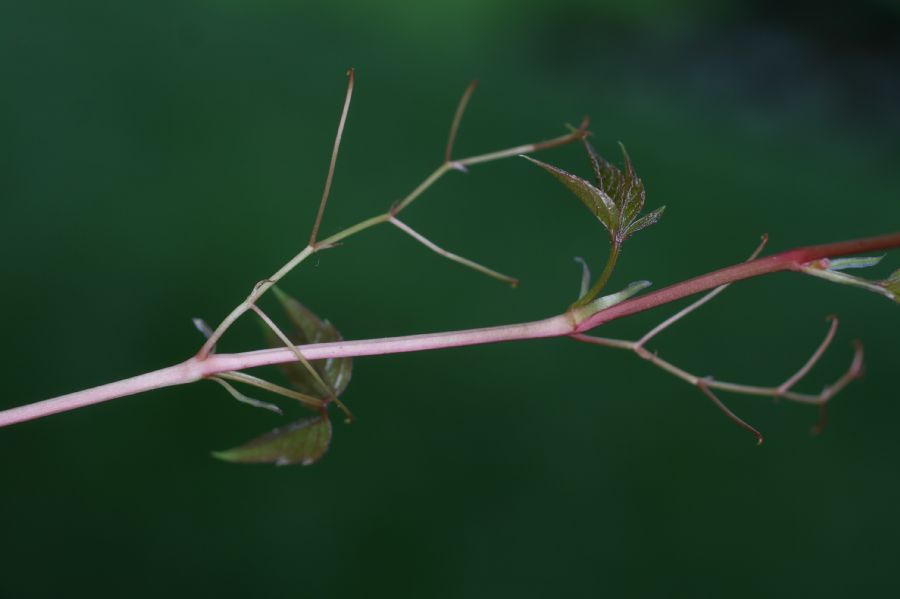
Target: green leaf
[(309, 328), (624, 188), (596, 200), (645, 221), (616, 200), (303, 442), (632, 194), (609, 179)]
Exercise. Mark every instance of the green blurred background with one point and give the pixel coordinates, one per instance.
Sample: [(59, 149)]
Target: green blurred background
[(156, 159)]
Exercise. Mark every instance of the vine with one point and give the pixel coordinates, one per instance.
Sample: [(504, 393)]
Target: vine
[(318, 361)]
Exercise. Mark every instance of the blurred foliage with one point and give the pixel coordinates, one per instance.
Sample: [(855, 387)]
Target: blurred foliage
[(156, 159)]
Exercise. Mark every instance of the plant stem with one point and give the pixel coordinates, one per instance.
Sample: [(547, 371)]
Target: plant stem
[(257, 292), (598, 286), (697, 303), (307, 400), (513, 282), (575, 134), (334, 155), (854, 371), (263, 286), (793, 260), (196, 368), (358, 227), (457, 118)]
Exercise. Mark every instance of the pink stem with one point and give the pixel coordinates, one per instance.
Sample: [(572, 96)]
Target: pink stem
[(789, 260), (180, 374), (195, 369)]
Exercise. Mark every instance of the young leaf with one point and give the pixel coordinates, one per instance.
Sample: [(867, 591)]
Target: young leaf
[(632, 191), (309, 328), (303, 442), (626, 189), (608, 177), (596, 200), (860, 262), (616, 200), (645, 221)]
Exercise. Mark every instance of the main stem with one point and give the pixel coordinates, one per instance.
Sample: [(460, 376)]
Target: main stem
[(196, 369)]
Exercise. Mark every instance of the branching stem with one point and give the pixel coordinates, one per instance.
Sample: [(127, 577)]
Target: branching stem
[(853, 372), (196, 368), (793, 260), (706, 384), (687, 310), (450, 255), (702, 385), (261, 288)]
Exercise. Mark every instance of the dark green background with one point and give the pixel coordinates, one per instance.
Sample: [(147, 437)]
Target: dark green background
[(156, 159)]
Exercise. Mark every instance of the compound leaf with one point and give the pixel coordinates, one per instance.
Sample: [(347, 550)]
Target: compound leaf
[(596, 200)]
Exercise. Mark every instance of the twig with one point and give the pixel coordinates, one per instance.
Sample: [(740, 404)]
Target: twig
[(395, 209), (420, 188), (244, 399), (685, 311), (334, 155), (204, 364), (786, 386), (853, 372), (454, 126), (734, 417), (450, 255), (249, 379), (706, 384), (574, 135)]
